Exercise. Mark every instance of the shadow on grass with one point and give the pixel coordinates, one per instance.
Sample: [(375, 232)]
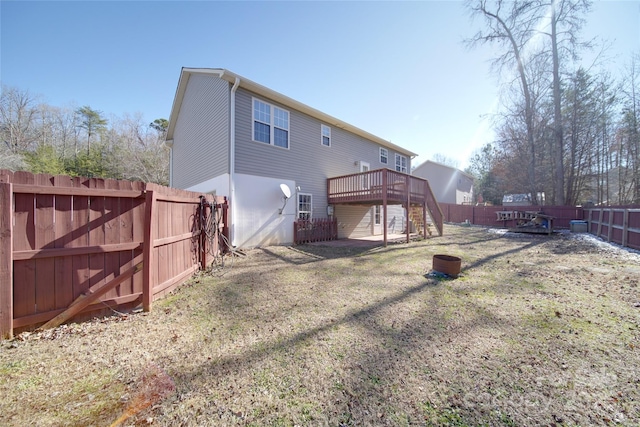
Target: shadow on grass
[(499, 255), (314, 253), (366, 370)]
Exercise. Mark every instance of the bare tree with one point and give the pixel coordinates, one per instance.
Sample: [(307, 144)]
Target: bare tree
[(18, 112), (512, 25), (537, 32)]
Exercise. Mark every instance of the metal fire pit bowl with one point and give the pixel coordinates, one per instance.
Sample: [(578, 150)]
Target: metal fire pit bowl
[(447, 264)]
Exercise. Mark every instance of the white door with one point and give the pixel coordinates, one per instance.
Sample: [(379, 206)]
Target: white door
[(364, 167), (376, 211)]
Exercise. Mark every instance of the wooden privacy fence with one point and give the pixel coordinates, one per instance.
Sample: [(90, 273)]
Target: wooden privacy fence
[(315, 230), (486, 215), (66, 240), (617, 225)]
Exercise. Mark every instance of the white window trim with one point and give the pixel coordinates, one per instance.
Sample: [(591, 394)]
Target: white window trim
[(272, 125), (310, 212), (377, 215), (386, 156), (406, 163), (322, 128)]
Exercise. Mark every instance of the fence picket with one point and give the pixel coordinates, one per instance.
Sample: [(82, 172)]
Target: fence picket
[(63, 279), (45, 239)]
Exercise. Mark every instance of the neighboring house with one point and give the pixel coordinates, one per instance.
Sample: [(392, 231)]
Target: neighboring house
[(521, 199), (236, 138), (449, 185)]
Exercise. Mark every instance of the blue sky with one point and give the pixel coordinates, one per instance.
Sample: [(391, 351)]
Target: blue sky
[(396, 69)]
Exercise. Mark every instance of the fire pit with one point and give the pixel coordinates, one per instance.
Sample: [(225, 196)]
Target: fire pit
[(447, 264)]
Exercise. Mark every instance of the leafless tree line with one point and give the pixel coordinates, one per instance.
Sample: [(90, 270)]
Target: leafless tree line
[(42, 138)]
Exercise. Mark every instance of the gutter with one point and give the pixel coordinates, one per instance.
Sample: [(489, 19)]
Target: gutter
[(232, 162)]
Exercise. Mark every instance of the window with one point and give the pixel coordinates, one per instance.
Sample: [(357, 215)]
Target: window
[(270, 124), (326, 135), (376, 215), (401, 163), (384, 155), (304, 206)]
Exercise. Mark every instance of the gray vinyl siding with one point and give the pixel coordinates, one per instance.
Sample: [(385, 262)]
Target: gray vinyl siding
[(307, 161), (396, 219), (201, 136), (353, 221)]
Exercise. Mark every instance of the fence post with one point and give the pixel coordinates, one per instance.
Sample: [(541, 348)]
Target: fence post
[(6, 258), (225, 227), (625, 227), (202, 238), (148, 279)]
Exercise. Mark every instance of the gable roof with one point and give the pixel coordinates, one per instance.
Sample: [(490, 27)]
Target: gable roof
[(424, 164), (256, 88)]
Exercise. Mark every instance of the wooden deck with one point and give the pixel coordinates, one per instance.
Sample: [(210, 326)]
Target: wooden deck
[(385, 187)]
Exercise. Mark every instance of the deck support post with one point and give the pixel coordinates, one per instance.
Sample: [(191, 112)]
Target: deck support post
[(408, 206), (384, 205), (424, 217)]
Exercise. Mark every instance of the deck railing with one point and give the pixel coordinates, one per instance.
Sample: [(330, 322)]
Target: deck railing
[(380, 185)]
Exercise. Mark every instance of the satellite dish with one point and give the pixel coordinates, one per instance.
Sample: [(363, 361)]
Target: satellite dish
[(285, 190)]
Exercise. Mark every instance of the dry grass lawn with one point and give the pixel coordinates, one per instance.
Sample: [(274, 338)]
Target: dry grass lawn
[(537, 331)]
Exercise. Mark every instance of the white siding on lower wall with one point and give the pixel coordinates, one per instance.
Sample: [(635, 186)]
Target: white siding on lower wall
[(257, 217), (218, 185)]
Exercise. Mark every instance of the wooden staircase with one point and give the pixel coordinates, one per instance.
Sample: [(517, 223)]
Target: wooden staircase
[(415, 216)]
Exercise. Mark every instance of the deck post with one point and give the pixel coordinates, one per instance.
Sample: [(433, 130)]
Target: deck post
[(424, 217), (408, 178), (384, 204)]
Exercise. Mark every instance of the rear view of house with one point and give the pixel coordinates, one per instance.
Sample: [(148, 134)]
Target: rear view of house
[(272, 157)]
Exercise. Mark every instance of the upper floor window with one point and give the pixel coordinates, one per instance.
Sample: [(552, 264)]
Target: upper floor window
[(270, 124), (326, 135), (401, 163), (384, 155)]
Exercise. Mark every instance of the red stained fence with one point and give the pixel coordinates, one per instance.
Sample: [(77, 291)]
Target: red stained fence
[(487, 215), (316, 230), (619, 225), (63, 238)]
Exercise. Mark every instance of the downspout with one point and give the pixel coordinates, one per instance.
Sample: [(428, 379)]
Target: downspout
[(169, 143), (232, 163)]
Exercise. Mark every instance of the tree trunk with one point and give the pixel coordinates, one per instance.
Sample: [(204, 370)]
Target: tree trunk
[(558, 154)]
